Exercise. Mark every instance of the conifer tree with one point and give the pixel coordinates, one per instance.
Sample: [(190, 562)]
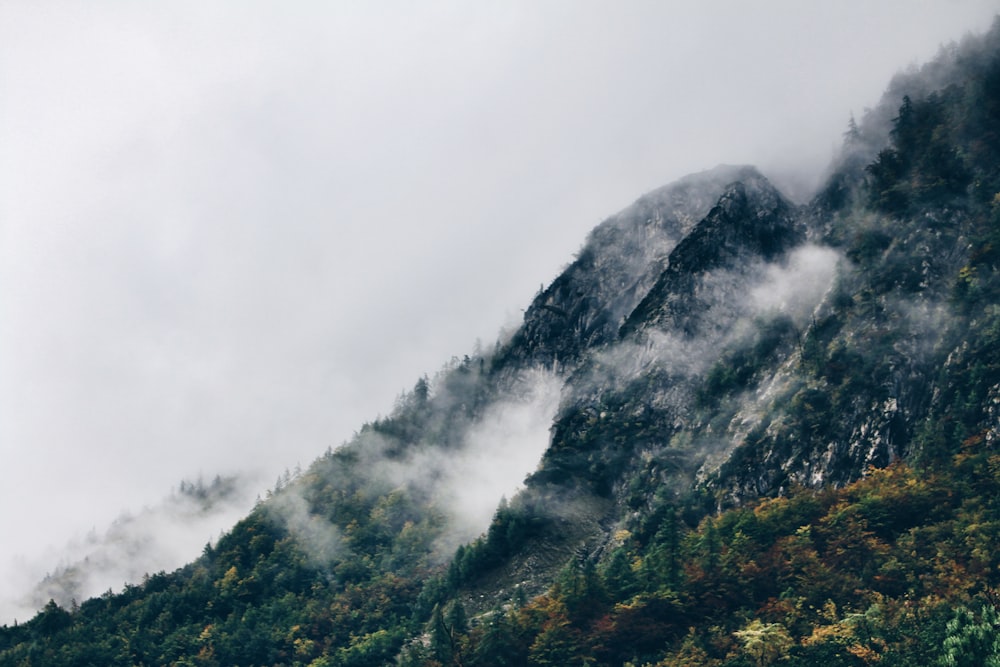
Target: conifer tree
[(441, 641), (972, 641)]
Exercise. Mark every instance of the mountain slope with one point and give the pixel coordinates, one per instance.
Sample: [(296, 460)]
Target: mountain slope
[(585, 306), (773, 434)]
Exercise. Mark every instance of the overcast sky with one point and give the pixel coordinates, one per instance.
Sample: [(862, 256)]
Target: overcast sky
[(231, 232)]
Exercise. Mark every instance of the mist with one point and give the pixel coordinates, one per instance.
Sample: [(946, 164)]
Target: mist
[(152, 539), (796, 286), (230, 235), (500, 449)]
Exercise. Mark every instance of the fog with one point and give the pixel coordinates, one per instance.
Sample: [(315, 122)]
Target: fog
[(154, 539), (795, 287), (499, 450), (230, 234)]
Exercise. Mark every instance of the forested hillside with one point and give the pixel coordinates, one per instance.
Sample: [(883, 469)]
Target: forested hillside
[(774, 440)]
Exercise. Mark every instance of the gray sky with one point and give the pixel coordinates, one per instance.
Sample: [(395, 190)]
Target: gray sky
[(232, 232)]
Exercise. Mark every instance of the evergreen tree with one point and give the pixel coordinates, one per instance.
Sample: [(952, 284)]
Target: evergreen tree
[(497, 646), (456, 620), (559, 644), (619, 578), (662, 562), (972, 641), (441, 639)]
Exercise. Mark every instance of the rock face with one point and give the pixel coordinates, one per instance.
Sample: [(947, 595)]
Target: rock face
[(642, 382), (750, 222), (775, 345), (585, 306)]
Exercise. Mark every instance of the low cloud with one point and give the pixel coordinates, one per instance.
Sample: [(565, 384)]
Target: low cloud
[(154, 539), (321, 541), (502, 449), (498, 451), (796, 286), (793, 287)]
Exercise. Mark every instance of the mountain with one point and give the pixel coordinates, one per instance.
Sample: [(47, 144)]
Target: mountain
[(768, 435)]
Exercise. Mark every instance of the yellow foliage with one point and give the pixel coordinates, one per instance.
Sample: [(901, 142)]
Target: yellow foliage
[(304, 647), (865, 653), (764, 642), (229, 579)]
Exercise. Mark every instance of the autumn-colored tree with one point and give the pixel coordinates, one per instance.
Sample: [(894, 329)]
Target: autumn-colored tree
[(558, 644), (765, 643)]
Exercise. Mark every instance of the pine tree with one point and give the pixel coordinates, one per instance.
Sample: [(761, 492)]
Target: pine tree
[(972, 641), (497, 647), (559, 643), (456, 620), (441, 640)]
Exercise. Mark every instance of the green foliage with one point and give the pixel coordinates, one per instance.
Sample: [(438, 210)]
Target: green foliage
[(558, 643), (442, 639), (868, 573), (925, 166), (498, 645), (972, 639), (739, 368)]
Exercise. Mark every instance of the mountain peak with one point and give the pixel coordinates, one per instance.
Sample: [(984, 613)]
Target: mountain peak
[(751, 221), (620, 261)]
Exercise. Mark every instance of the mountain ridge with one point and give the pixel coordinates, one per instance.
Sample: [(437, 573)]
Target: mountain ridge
[(774, 441)]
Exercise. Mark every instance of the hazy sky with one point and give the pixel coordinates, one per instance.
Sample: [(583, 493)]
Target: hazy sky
[(231, 232)]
